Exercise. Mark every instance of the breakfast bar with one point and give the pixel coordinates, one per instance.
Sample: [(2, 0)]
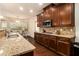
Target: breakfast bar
[(15, 46)]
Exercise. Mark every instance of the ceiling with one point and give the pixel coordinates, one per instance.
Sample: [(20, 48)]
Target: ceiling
[(12, 9)]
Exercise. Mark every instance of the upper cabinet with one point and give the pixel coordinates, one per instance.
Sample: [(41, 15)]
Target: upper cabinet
[(40, 20), (55, 16), (60, 14), (66, 16), (47, 12)]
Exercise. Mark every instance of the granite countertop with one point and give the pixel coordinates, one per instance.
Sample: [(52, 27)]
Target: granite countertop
[(67, 36), (14, 46)]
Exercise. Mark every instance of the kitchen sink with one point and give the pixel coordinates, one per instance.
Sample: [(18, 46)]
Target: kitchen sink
[(13, 35)]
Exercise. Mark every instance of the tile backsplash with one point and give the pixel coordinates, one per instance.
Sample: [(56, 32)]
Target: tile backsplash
[(59, 30)]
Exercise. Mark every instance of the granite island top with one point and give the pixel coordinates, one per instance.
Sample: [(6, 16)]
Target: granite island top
[(15, 46)]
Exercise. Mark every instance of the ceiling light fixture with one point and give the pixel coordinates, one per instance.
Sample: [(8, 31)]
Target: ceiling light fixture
[(21, 8), (1, 51), (40, 4), (17, 21), (1, 17), (31, 11)]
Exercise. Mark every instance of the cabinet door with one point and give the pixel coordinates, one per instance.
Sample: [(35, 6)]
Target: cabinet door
[(36, 37), (66, 15), (52, 43), (39, 20), (63, 48), (55, 17), (47, 14), (46, 41)]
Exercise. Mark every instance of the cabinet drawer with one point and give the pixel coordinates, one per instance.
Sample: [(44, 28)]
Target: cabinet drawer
[(63, 48), (52, 44), (64, 39)]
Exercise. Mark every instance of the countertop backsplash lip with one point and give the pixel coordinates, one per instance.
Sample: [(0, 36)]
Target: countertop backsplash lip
[(67, 36), (62, 30)]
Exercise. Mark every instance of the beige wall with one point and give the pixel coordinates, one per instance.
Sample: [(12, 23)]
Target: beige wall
[(77, 21), (31, 26)]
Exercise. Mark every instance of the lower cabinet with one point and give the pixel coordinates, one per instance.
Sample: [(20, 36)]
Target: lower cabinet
[(52, 43), (36, 37), (42, 39), (46, 41), (63, 48), (61, 45)]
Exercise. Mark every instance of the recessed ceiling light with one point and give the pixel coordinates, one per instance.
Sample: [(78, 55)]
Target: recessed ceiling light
[(1, 51), (1, 17), (31, 11), (21, 8), (40, 4), (17, 21)]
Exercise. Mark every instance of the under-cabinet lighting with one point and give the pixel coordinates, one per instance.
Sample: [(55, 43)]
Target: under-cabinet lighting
[(71, 30), (61, 29)]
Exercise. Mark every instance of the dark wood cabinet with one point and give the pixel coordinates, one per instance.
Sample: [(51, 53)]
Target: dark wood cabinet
[(47, 12), (42, 39), (37, 38), (66, 16), (40, 20), (63, 48), (60, 45), (46, 15), (52, 43), (55, 17), (61, 15), (64, 45), (46, 41)]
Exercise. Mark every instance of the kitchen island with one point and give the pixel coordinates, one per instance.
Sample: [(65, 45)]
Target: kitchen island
[(15, 46)]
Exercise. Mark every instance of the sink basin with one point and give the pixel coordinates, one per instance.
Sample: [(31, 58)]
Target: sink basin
[(13, 35)]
